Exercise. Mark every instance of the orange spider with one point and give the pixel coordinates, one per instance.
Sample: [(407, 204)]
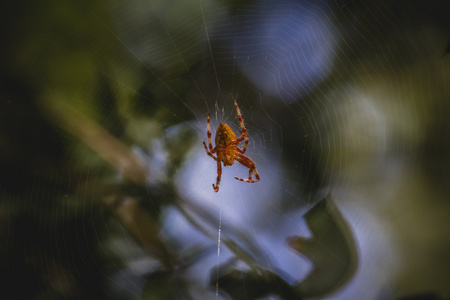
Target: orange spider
[(227, 149)]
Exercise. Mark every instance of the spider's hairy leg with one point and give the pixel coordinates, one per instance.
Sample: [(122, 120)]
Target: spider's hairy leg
[(248, 163), (236, 141), (243, 129), (219, 176), (208, 131), (209, 153)]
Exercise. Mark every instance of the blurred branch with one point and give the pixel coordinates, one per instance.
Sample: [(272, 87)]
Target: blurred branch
[(253, 256), (332, 251), (140, 225), (98, 139), (54, 274), (124, 207), (251, 284)]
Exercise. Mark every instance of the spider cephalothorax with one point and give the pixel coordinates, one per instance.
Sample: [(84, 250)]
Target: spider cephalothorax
[(227, 150)]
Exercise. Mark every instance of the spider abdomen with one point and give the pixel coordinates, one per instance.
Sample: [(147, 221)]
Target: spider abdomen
[(224, 134)]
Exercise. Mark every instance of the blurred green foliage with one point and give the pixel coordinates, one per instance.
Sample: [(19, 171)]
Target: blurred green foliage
[(92, 93)]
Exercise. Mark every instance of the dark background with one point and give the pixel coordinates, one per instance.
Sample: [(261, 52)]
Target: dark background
[(105, 188)]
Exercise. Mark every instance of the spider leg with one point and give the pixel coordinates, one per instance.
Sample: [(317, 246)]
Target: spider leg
[(209, 153), (208, 131), (248, 163), (219, 175), (243, 129), (236, 141)]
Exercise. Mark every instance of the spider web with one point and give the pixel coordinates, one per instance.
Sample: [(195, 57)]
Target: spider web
[(338, 97)]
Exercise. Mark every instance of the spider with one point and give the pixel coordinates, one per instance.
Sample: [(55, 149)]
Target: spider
[(227, 150)]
